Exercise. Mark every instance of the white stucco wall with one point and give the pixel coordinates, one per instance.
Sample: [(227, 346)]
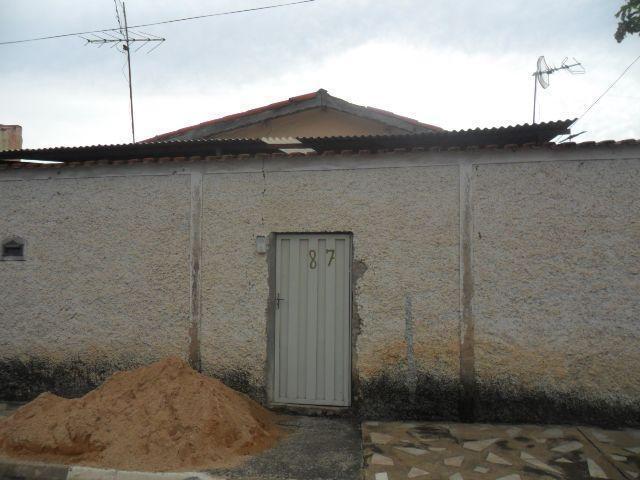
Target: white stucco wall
[(557, 275), (106, 274)]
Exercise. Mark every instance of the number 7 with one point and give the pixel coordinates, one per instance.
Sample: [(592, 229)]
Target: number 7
[(332, 257)]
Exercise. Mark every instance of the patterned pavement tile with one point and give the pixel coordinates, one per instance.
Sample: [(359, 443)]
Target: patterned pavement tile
[(479, 451), (416, 472)]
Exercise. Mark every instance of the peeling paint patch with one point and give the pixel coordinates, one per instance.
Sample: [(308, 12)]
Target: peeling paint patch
[(358, 269)]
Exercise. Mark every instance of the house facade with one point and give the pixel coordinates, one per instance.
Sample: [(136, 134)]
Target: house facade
[(476, 275), (315, 114)]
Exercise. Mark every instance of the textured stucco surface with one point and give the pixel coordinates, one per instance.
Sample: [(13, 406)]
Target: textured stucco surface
[(405, 230), (554, 276), (557, 280), (106, 275)]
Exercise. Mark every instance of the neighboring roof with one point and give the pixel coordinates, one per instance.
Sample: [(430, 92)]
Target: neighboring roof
[(498, 137), (319, 99)]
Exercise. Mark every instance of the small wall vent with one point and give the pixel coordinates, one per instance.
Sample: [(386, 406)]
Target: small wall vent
[(13, 249)]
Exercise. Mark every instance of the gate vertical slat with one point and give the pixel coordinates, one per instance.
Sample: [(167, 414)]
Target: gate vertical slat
[(301, 340), (312, 322), (330, 336), (292, 333), (339, 299)]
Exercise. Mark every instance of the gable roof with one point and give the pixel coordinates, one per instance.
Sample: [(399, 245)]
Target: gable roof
[(319, 99)]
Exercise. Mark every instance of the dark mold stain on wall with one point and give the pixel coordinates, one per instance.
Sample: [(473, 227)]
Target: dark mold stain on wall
[(498, 403), (388, 396), (23, 380), (240, 381)]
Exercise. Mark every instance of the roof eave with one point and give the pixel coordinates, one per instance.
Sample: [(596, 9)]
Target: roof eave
[(519, 134)]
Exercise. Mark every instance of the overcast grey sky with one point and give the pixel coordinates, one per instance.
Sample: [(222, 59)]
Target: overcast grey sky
[(462, 64)]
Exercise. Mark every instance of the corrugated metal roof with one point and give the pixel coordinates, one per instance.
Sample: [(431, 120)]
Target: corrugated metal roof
[(513, 148), (518, 135)]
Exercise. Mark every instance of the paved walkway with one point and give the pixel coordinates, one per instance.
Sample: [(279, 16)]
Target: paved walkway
[(426, 451)]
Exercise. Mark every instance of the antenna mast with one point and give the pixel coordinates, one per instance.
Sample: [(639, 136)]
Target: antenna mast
[(541, 75), (125, 39), (125, 46)]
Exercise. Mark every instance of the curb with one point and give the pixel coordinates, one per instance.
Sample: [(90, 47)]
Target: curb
[(16, 470), (27, 471)]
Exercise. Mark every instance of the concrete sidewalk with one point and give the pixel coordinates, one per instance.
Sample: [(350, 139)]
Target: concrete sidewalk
[(396, 450)]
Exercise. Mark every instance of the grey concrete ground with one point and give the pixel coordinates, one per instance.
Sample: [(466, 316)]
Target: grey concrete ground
[(397, 450), (316, 448)]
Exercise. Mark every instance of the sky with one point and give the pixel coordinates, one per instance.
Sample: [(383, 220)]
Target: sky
[(459, 65)]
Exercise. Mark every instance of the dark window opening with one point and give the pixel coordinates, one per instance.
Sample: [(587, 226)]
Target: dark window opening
[(13, 250)]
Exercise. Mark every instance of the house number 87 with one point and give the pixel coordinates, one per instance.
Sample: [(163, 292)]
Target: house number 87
[(312, 258)]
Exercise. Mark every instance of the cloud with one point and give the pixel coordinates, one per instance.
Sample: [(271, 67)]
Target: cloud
[(459, 65)]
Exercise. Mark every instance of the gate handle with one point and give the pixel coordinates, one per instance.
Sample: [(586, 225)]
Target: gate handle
[(278, 299)]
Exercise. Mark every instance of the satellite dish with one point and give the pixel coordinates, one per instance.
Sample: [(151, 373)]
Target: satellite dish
[(541, 75), (542, 72)]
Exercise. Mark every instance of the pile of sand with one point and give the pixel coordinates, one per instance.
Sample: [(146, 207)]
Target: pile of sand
[(162, 417)]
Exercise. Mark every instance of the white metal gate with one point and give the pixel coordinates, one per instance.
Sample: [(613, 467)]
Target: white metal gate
[(312, 330)]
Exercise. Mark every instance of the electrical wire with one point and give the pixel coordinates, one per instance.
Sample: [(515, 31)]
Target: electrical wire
[(219, 14), (115, 4), (607, 90), (569, 136)]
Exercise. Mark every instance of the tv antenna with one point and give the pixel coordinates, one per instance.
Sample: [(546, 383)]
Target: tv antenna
[(123, 39), (543, 70)]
